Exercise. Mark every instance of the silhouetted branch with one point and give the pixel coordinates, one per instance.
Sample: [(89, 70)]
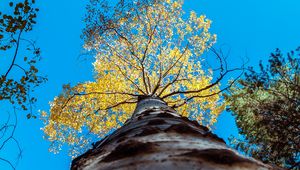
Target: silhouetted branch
[(212, 94), (8, 162), (5, 138), (93, 93), (127, 101), (223, 72), (15, 53)]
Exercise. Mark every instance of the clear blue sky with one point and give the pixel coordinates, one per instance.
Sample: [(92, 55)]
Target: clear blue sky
[(248, 27)]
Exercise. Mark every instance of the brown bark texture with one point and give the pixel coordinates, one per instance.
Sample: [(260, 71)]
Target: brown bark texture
[(156, 137)]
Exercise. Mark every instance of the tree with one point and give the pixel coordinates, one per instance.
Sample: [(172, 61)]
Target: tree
[(267, 110), (16, 87), (145, 48), (156, 137), (148, 71), (18, 75)]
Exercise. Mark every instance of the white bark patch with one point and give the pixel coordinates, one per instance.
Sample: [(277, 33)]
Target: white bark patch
[(151, 103)]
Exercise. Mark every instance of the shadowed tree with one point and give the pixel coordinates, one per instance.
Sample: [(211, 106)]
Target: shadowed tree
[(18, 73), (267, 110), (148, 79), (19, 76)]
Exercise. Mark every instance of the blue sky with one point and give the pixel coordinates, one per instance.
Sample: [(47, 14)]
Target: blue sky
[(252, 28)]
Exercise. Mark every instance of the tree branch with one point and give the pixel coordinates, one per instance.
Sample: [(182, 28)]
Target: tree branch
[(15, 54)]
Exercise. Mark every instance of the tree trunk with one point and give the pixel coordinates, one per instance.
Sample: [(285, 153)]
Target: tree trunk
[(156, 137)]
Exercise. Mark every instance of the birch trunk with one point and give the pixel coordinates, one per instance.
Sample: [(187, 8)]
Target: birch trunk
[(156, 137)]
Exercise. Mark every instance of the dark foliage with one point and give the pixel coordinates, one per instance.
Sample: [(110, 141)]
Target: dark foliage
[(18, 74), (266, 105), (21, 53)]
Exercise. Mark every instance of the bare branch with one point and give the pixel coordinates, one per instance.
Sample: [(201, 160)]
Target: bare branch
[(173, 65), (122, 57), (159, 80), (118, 104), (91, 93), (148, 43), (8, 162), (149, 82), (4, 128), (223, 73), (144, 79), (137, 86), (198, 90), (209, 95), (130, 43), (172, 82), (12, 133), (20, 67), (15, 53)]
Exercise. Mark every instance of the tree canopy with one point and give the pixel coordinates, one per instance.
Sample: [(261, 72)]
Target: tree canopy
[(267, 110), (19, 77), (18, 73), (143, 48)]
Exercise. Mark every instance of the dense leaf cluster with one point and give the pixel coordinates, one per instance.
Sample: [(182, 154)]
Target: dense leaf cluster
[(141, 48), (14, 24), (266, 105)]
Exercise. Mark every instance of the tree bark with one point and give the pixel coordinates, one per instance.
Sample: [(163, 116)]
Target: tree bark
[(156, 137)]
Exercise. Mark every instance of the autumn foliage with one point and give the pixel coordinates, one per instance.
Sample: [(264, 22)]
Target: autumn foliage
[(153, 50)]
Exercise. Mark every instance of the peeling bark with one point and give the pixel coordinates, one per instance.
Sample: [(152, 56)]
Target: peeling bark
[(156, 137)]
